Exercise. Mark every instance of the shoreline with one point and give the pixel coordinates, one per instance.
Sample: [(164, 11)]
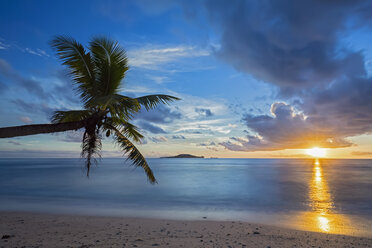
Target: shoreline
[(60, 230)]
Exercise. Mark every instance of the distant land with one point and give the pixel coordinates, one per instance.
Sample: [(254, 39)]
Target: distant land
[(184, 156)]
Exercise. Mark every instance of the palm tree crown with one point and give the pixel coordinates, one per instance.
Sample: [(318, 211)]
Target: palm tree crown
[(97, 75)]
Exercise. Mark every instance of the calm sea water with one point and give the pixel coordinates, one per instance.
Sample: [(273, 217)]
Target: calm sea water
[(332, 196)]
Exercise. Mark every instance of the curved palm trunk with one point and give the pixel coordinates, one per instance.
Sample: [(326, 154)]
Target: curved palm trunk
[(8, 132)]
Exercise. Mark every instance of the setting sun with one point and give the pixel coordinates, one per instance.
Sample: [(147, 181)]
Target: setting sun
[(316, 152)]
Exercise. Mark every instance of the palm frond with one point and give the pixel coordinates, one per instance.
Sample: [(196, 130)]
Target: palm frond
[(132, 132), (111, 64), (151, 101), (91, 147), (126, 128), (116, 103), (133, 154), (79, 62), (71, 115)]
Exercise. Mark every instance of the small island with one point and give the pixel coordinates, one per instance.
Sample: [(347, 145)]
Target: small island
[(184, 156)]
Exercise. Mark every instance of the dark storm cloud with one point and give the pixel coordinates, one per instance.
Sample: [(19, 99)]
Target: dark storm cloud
[(204, 112), (292, 44), (150, 127), (340, 111), (346, 106), (297, 46)]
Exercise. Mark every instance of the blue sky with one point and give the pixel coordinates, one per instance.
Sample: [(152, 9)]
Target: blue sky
[(257, 79)]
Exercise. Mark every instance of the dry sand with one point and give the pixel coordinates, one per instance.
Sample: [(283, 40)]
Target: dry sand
[(47, 230)]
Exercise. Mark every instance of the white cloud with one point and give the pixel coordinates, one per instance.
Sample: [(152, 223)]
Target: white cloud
[(37, 52), (152, 57), (138, 89), (3, 46), (159, 79), (195, 125)]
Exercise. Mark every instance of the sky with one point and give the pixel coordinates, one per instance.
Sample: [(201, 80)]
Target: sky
[(257, 79)]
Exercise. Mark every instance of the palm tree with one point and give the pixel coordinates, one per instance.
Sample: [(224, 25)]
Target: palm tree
[(97, 76)]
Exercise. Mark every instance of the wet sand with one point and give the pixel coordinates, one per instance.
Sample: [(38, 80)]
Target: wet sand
[(18, 229)]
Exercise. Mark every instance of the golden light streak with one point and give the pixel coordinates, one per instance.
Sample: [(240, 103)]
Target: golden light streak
[(320, 197), (322, 217)]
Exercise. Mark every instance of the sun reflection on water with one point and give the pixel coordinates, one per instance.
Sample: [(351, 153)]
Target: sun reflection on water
[(321, 200), (323, 217)]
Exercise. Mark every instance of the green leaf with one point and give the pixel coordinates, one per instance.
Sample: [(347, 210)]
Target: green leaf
[(134, 154), (126, 128), (116, 104), (111, 64), (91, 147), (80, 64), (71, 115), (151, 101)]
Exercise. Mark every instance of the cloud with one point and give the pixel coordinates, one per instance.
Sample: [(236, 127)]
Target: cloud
[(359, 153), (73, 136), (159, 79), (193, 131), (7, 45), (58, 85), (299, 46), (345, 107), (212, 143), (14, 142), (40, 108), (161, 115), (25, 119), (327, 119), (138, 89), (178, 137), (153, 57), (204, 111), (292, 44), (63, 89), (158, 139), (209, 145), (31, 86), (3, 46), (38, 52), (3, 87), (285, 128), (150, 127)]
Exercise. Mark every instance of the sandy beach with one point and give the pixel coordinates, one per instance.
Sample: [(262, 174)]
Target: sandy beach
[(19, 229)]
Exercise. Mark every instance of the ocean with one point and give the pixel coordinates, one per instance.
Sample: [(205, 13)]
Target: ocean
[(327, 195)]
